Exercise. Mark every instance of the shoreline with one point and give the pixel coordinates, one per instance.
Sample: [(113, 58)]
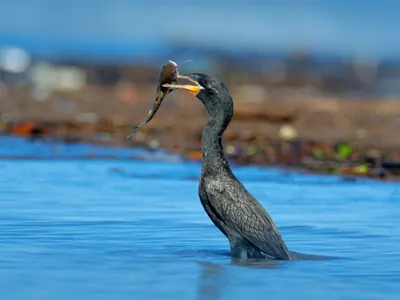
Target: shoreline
[(320, 134), (290, 167)]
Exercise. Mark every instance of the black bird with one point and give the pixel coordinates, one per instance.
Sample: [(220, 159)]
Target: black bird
[(237, 214)]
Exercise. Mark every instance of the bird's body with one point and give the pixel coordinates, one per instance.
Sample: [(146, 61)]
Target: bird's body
[(237, 214), (240, 217)]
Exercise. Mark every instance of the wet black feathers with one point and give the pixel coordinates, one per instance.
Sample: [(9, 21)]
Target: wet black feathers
[(241, 212), (227, 202)]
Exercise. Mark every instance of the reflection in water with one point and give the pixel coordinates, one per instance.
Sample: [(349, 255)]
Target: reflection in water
[(209, 281), (211, 275)]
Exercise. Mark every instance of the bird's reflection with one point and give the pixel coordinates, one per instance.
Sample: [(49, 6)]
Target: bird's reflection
[(210, 281), (213, 278)]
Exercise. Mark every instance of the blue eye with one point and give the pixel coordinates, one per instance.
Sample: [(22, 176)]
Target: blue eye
[(195, 77)]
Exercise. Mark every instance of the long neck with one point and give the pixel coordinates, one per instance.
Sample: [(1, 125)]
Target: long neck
[(211, 144)]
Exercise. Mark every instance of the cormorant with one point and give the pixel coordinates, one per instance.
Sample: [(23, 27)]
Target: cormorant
[(237, 214)]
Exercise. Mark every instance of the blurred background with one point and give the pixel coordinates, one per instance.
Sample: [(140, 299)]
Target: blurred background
[(312, 80)]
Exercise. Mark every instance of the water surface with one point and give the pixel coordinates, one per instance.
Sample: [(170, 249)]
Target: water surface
[(134, 229)]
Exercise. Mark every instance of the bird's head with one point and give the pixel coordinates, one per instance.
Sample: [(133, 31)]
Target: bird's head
[(211, 91)]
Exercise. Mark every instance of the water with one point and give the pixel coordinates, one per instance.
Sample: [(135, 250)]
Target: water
[(144, 29), (131, 229)]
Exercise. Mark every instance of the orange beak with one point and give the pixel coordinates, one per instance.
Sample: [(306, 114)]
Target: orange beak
[(193, 89)]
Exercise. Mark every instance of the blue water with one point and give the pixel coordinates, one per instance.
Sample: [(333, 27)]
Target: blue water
[(144, 29), (134, 229)]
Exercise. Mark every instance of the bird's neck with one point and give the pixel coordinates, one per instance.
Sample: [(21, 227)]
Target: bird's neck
[(211, 144)]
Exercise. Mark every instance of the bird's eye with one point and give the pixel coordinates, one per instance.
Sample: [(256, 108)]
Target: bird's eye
[(195, 77)]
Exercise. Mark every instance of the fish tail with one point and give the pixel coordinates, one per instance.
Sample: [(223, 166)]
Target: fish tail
[(134, 130)]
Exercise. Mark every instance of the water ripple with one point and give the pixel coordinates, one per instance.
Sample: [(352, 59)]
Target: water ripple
[(117, 230)]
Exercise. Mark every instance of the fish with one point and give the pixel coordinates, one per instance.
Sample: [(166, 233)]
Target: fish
[(168, 75)]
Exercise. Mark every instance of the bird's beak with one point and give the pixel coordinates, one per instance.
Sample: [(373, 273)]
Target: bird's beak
[(191, 88)]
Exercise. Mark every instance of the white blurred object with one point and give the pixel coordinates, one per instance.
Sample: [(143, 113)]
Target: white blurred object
[(52, 77), (43, 75), (154, 144), (230, 149), (71, 78), (287, 132), (14, 60)]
